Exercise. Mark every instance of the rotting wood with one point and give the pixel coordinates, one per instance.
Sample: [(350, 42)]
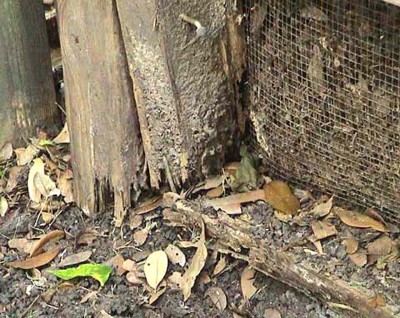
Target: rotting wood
[(181, 90), (237, 236), (27, 97), (107, 152)]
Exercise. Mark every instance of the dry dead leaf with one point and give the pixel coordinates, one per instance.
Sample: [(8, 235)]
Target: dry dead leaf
[(217, 297), (87, 236), (195, 266), (356, 219), (148, 205), (103, 314), (47, 217), (22, 244), (156, 294), (45, 185), (215, 193), (323, 229), (75, 259), (247, 282), (65, 184), (133, 278), (6, 152), (88, 296), (381, 246), (3, 206), (135, 221), (175, 255), (117, 262), (322, 209), (359, 259), (36, 261), (220, 266), (316, 243), (231, 203), (129, 265), (283, 217), (53, 235), (140, 237), (13, 175), (279, 195), (175, 280), (209, 183), (155, 268), (272, 313), (63, 136), (351, 245), (37, 167), (26, 155), (376, 301)]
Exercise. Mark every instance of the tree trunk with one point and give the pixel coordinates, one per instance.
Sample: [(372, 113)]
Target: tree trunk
[(27, 97), (139, 81)]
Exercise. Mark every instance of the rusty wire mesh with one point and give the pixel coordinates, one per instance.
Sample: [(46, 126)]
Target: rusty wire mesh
[(324, 95)]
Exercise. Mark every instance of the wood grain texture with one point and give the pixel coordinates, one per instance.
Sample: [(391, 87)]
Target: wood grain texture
[(181, 90), (27, 97), (107, 151)]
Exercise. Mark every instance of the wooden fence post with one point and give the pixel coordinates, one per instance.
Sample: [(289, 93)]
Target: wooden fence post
[(27, 97)]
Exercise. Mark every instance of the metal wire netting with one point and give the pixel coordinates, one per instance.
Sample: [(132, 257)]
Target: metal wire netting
[(324, 95)]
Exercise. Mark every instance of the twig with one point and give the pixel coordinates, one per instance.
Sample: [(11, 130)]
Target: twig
[(30, 306)]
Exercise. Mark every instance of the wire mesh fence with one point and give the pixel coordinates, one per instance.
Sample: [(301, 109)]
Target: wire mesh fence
[(324, 95)]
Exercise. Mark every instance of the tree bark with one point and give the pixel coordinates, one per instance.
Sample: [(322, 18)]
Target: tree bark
[(106, 147), (27, 97)]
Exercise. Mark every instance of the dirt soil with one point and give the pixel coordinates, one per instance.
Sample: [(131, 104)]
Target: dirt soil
[(21, 295)]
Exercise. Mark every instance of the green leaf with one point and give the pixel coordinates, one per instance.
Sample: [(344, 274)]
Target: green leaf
[(45, 142), (100, 272)]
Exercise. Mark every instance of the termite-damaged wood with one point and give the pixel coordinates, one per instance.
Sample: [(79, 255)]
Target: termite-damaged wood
[(106, 147), (181, 90), (27, 97), (237, 236)]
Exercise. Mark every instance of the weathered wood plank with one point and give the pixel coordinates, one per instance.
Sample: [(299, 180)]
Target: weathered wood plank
[(182, 93), (27, 97), (106, 146)]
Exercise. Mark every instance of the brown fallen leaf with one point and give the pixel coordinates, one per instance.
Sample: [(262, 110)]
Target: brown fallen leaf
[(216, 192), (217, 297), (36, 261), (3, 206), (175, 280), (45, 185), (87, 236), (247, 282), (359, 258), (65, 184), (175, 255), (279, 195), (75, 259), (6, 152), (209, 183), (381, 246), (155, 268), (322, 209), (231, 203), (195, 266), (135, 221), (53, 235), (88, 296), (117, 262), (26, 155), (134, 279), (47, 217), (129, 265), (272, 313), (63, 136), (140, 237), (376, 301), (148, 205), (22, 244), (316, 243), (37, 167), (323, 229), (356, 219), (351, 245), (220, 266), (156, 294), (14, 174)]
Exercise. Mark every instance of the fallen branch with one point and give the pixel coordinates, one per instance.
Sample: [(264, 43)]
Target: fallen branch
[(237, 236)]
